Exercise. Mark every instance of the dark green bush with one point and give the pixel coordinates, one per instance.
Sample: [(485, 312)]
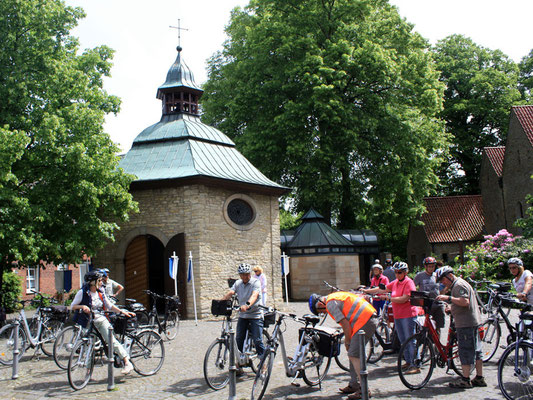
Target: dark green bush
[(11, 289)]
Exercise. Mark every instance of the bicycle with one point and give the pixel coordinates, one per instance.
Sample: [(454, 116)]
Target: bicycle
[(312, 357), (425, 343), (490, 330), (487, 307), (145, 348), (65, 341), (216, 359), (169, 325), (46, 325), (515, 368)]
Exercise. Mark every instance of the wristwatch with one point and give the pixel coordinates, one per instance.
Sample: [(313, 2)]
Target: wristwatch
[(248, 304)]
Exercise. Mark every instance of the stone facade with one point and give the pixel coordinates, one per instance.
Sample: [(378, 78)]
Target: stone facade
[(308, 273), (217, 248), (517, 172), (491, 191)]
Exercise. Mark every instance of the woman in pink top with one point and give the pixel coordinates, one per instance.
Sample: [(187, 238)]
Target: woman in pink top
[(404, 313), (377, 279)]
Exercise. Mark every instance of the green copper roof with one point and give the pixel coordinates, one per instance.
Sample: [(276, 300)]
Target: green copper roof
[(314, 232), (179, 75), (185, 147)]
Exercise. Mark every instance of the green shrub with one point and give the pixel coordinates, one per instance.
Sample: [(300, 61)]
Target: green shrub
[(11, 289)]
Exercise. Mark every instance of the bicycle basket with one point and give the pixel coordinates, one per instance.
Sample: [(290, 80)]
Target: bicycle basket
[(59, 313), (269, 319), (327, 340), (420, 299), (121, 324), (221, 307), (174, 303)]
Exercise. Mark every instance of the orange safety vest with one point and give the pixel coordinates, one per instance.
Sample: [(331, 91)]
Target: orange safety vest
[(356, 309)]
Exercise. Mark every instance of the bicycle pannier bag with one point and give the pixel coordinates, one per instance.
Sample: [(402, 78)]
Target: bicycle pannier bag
[(221, 307), (269, 319), (329, 340), (174, 303)]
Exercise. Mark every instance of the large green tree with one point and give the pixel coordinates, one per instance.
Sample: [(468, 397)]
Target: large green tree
[(61, 192), (526, 76), (481, 87), (336, 99)]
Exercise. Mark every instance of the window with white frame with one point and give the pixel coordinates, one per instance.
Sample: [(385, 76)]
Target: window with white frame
[(32, 280)]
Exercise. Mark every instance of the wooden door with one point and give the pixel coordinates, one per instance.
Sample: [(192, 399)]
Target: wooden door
[(136, 270)]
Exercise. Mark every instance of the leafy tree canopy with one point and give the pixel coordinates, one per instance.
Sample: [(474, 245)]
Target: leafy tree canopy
[(526, 76), (481, 87), (336, 99), (61, 193)]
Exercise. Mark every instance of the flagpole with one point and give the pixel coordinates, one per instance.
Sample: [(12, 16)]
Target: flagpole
[(193, 289), (285, 261)]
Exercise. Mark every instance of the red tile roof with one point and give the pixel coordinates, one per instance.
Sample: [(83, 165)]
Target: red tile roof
[(453, 218), (496, 156), (525, 117)]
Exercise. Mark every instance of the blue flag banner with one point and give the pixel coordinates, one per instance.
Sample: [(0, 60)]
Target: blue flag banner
[(189, 275), (170, 267)]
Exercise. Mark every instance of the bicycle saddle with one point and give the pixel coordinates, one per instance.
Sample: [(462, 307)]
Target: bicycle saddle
[(311, 319)]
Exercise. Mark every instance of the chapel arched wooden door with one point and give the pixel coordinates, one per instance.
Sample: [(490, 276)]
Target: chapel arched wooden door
[(136, 270)]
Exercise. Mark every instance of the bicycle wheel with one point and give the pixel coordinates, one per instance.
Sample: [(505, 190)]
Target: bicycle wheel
[(378, 351), (216, 364), (253, 357), (424, 359), (315, 366), (147, 353), (342, 359), (80, 364), (49, 333), (7, 343), (143, 320), (263, 375), (515, 371), (172, 325), (65, 341), (490, 333)]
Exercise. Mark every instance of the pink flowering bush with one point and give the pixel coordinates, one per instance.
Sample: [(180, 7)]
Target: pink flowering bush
[(488, 259)]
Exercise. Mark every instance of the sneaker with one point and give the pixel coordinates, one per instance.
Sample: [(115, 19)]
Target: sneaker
[(127, 368), (460, 383), (479, 381), (412, 371)]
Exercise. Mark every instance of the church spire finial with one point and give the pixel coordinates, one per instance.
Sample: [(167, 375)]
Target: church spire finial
[(179, 28)]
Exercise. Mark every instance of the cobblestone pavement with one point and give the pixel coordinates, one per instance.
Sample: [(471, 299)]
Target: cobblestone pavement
[(182, 378)]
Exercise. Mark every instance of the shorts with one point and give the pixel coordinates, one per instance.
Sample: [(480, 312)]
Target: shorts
[(469, 345), (369, 328)]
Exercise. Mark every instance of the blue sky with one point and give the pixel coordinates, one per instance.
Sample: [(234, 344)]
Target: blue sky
[(145, 45)]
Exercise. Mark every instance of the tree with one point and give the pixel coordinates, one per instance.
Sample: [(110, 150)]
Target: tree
[(61, 192), (526, 76), (336, 99), (481, 87)]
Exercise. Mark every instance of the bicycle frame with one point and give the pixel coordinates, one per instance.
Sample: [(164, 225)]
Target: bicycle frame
[(444, 351), (500, 315)]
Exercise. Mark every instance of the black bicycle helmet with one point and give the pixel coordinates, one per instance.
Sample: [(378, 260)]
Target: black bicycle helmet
[(92, 276)]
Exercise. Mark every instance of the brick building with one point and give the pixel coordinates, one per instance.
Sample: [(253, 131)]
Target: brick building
[(505, 181)]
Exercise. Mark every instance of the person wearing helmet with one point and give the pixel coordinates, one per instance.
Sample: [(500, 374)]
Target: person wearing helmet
[(111, 287), (91, 297), (404, 313), (465, 311), (378, 279), (426, 282), (248, 291), (388, 271), (522, 279), (353, 313)]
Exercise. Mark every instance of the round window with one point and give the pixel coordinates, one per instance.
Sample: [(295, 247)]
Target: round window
[(240, 212)]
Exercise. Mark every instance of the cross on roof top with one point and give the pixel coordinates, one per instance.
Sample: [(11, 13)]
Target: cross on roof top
[(179, 28)]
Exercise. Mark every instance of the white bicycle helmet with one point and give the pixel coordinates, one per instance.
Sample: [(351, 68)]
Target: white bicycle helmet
[(442, 272), (379, 266), (244, 268), (515, 260), (400, 266)]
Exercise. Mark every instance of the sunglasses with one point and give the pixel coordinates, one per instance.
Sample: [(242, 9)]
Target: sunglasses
[(400, 272)]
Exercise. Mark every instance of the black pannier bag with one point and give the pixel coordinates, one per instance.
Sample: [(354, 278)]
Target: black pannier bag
[(269, 319), (122, 323), (221, 307), (174, 303), (328, 340), (420, 299)]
